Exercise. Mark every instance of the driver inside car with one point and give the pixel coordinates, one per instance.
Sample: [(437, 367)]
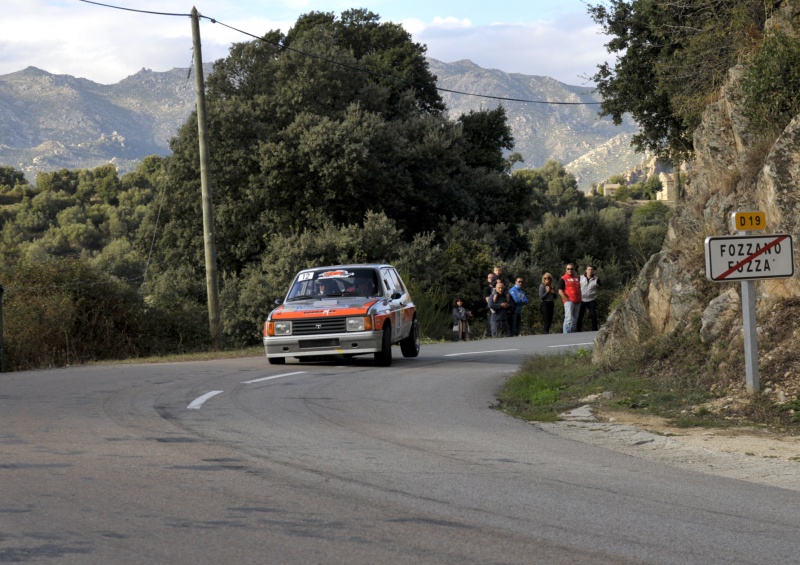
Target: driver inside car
[(323, 287)]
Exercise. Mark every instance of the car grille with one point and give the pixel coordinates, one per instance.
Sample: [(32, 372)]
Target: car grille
[(317, 343), (319, 326)]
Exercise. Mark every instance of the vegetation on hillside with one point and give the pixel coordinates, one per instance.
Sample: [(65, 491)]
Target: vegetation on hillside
[(671, 57), (312, 163)]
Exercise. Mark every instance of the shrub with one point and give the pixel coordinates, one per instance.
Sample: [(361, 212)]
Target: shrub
[(60, 312), (771, 83)]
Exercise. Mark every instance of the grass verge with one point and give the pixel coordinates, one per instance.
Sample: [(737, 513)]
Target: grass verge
[(548, 385), (254, 351)]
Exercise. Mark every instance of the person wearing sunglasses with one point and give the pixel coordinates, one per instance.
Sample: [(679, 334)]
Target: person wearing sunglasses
[(520, 299), (547, 294), (569, 289)]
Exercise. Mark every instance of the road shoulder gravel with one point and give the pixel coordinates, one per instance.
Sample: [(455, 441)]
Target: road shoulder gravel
[(746, 454)]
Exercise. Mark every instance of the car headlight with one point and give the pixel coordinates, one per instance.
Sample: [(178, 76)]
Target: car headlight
[(361, 324), (281, 328)]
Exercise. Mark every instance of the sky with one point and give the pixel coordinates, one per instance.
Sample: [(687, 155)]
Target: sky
[(554, 38)]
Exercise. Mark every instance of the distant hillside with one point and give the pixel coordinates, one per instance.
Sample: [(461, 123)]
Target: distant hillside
[(52, 121), (48, 122), (592, 149)]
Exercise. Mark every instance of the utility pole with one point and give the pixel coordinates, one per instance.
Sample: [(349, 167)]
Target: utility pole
[(212, 288), (2, 341)]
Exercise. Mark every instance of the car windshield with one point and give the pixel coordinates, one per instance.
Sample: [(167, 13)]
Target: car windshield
[(334, 282)]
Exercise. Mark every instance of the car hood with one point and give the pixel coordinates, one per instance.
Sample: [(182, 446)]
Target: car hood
[(351, 306)]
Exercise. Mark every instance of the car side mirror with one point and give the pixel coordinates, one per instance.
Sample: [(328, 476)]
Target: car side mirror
[(279, 301), (396, 295)]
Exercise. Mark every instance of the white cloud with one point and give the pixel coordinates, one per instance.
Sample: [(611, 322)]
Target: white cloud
[(565, 49), (106, 45), (451, 23)]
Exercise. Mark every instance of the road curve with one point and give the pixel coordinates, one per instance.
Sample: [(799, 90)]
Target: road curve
[(241, 461)]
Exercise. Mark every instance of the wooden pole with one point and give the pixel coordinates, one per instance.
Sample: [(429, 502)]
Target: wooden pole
[(205, 185)]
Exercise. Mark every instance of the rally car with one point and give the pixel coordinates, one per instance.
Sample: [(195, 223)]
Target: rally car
[(343, 311)]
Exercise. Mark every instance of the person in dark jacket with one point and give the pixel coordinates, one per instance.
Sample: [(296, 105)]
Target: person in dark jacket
[(547, 294), (488, 290), (461, 319), (501, 308)]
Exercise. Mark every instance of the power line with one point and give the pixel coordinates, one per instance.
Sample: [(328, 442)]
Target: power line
[(363, 70), (353, 67), (132, 10)]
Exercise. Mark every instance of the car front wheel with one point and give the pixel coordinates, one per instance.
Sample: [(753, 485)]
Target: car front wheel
[(384, 357), (410, 345)]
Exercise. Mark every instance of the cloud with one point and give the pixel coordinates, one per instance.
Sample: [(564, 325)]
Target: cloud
[(566, 49), (106, 45)]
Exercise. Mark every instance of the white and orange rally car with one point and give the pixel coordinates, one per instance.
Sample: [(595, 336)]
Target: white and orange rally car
[(344, 310)]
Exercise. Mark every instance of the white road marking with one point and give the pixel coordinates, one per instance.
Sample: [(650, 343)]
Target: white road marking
[(275, 377), (198, 402), (572, 344), (479, 352)]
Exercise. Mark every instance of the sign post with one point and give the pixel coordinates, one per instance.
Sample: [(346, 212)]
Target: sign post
[(749, 258)]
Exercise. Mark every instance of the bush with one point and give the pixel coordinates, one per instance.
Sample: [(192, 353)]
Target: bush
[(62, 312), (771, 83)]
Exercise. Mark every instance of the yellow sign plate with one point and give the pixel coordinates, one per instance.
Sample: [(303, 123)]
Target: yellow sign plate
[(749, 221)]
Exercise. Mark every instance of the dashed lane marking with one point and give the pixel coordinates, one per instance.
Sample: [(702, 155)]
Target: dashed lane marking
[(273, 377), (198, 402), (479, 352)]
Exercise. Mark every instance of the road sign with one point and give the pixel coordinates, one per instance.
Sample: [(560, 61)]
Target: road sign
[(756, 257), (749, 221)]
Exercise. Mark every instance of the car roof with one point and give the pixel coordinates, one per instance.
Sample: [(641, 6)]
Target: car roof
[(350, 266)]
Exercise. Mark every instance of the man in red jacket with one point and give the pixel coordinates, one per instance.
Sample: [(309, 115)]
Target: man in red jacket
[(569, 289)]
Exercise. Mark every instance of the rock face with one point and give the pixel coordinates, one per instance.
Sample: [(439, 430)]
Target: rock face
[(733, 169)]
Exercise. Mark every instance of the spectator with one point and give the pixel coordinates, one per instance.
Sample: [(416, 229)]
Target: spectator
[(461, 318), (520, 299), (589, 285), (488, 290), (500, 307), (547, 294), (569, 289), (498, 275)]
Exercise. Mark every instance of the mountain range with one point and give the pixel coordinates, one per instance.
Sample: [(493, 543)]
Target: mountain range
[(49, 122)]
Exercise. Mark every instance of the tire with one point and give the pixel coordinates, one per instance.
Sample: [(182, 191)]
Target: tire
[(276, 360), (384, 357), (410, 345)]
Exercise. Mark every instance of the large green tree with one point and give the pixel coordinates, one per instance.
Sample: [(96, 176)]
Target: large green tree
[(670, 57), (309, 128)]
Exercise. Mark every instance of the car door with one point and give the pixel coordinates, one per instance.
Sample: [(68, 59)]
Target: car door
[(395, 304), (409, 308)]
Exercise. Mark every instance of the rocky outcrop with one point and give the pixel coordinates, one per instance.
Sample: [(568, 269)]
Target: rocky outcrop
[(733, 169)]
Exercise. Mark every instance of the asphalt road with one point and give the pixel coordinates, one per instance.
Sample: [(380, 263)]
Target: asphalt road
[(238, 461)]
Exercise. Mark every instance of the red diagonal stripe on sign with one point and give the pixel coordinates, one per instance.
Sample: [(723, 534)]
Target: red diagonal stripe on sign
[(753, 256)]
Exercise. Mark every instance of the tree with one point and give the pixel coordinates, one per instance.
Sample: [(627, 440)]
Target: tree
[(648, 228), (63, 180), (670, 56), (10, 178), (486, 135), (562, 239), (771, 83), (300, 137), (552, 189)]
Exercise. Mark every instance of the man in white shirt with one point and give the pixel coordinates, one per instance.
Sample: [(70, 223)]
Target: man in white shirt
[(589, 285)]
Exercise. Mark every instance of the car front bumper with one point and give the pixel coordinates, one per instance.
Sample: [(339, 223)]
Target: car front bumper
[(349, 343)]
